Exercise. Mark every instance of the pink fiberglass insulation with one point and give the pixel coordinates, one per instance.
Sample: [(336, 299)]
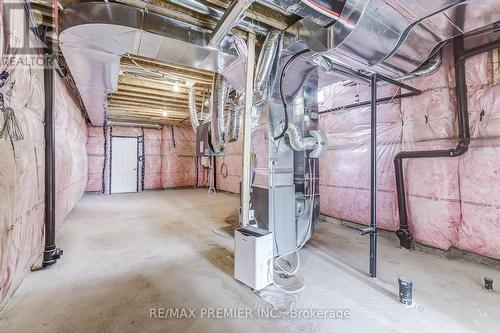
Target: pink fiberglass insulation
[(23, 164), (99, 146), (169, 157), (479, 171), (344, 181), (179, 162), (229, 168), (71, 151), (451, 201), (433, 196), (95, 152), (152, 158), (429, 116)]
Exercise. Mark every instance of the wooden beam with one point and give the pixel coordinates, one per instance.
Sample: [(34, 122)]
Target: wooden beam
[(155, 86), (131, 95), (176, 67), (153, 64), (146, 100), (148, 89), (261, 14)]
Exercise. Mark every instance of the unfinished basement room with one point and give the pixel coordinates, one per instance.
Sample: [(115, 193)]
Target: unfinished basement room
[(250, 166)]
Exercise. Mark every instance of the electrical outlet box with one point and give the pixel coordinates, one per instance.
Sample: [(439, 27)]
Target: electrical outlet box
[(205, 161)]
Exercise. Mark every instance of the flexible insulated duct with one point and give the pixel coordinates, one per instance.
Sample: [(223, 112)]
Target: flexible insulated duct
[(193, 113), (265, 63), (233, 123), (218, 101), (299, 143)]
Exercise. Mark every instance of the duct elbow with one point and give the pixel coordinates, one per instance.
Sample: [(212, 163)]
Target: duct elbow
[(429, 67), (299, 143), (316, 143)]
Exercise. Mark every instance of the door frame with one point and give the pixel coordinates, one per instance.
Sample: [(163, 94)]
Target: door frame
[(140, 158)]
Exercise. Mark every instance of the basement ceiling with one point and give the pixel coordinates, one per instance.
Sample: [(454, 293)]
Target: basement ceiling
[(157, 92)]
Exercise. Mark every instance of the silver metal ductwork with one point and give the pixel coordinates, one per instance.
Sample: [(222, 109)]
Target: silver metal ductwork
[(231, 17), (218, 102), (389, 37), (268, 55), (94, 57), (206, 8)]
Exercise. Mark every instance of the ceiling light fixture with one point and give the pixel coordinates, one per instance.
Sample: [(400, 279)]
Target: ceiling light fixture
[(165, 113), (176, 87)]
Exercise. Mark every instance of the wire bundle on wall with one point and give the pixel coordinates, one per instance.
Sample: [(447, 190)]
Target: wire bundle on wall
[(10, 125)]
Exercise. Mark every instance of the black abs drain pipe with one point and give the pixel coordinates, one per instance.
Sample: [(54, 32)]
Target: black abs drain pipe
[(403, 233), (51, 253)]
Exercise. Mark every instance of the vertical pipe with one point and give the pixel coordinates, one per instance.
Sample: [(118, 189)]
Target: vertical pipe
[(461, 84), (50, 253), (373, 178), (215, 172), (247, 127)]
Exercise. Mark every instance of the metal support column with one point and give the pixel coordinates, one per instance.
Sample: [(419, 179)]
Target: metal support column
[(372, 230), (247, 128), (373, 174)]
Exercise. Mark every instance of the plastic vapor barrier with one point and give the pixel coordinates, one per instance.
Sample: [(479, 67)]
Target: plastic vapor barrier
[(22, 169), (450, 201), (168, 161), (229, 167), (179, 163)]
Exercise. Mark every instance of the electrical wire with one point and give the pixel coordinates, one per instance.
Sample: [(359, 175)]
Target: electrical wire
[(11, 126), (224, 172), (211, 189), (154, 72), (282, 90), (274, 264)]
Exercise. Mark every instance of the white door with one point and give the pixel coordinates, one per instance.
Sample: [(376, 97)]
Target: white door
[(124, 165)]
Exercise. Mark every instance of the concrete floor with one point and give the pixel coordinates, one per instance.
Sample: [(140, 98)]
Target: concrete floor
[(125, 254)]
